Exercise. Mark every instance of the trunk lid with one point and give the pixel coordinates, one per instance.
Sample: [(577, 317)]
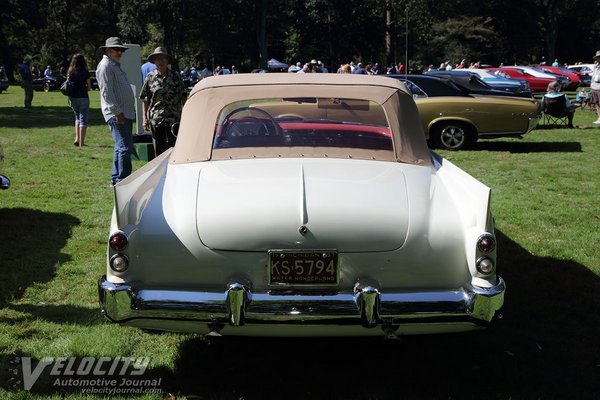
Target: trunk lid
[(348, 205)]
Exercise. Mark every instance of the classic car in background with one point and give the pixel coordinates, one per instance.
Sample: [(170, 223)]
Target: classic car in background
[(301, 205), (564, 81), (455, 120), (500, 83), (574, 80), (584, 71), (473, 84), (4, 181), (536, 83), (48, 83)]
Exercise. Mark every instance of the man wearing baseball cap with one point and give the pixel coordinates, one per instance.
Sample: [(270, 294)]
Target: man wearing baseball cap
[(595, 86), (118, 107)]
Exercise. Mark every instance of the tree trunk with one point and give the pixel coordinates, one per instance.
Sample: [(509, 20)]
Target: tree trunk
[(262, 34), (388, 32), (6, 58), (66, 52), (550, 11)]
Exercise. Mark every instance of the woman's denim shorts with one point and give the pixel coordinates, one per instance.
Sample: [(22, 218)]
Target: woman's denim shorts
[(81, 107)]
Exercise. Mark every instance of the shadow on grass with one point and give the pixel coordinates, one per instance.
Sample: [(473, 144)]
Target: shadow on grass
[(527, 147), (43, 117), (545, 346), (31, 247)]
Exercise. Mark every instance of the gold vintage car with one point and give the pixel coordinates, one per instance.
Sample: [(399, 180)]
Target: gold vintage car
[(454, 119)]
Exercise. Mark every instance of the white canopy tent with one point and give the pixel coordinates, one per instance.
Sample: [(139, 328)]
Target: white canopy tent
[(274, 64)]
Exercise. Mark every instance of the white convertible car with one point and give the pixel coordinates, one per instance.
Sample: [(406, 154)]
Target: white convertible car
[(301, 205)]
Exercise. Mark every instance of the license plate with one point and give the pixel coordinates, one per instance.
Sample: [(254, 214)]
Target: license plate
[(293, 267)]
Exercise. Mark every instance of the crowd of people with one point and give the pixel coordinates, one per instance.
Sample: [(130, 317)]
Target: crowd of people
[(374, 68), (192, 73), (164, 93), (317, 66)]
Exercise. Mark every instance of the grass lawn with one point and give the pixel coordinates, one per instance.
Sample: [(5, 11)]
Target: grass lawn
[(546, 200)]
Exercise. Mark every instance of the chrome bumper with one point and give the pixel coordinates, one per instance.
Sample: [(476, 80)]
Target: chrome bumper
[(237, 305)]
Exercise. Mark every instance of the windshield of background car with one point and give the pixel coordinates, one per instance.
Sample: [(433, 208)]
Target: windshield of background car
[(485, 74), (565, 70), (423, 87), (501, 74), (304, 122)]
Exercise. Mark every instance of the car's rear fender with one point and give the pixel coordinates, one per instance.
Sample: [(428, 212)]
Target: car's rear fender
[(445, 120), (472, 202)]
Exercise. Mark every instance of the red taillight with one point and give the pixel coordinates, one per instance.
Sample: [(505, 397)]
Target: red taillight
[(118, 241), (486, 243)]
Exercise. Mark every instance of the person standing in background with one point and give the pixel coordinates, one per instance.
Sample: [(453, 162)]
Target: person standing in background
[(118, 106), (147, 67), (79, 100), (163, 95), (595, 86), (26, 82)]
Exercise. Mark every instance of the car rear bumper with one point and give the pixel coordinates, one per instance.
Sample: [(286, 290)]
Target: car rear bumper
[(238, 306)]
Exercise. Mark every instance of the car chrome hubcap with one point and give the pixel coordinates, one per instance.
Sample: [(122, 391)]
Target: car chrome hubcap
[(453, 137)]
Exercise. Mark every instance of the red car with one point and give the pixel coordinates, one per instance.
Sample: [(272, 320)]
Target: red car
[(575, 81), (535, 84)]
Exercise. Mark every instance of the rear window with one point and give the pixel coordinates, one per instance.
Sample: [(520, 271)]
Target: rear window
[(303, 122)]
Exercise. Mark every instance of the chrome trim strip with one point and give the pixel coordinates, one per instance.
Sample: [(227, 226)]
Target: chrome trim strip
[(121, 303)]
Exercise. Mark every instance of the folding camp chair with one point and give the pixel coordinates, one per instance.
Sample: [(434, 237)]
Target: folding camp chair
[(555, 111)]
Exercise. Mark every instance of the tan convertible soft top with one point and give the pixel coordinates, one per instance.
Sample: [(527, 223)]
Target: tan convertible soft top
[(211, 95)]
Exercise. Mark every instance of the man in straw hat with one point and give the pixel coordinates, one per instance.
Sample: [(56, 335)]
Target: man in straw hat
[(118, 107), (595, 86), (163, 95)]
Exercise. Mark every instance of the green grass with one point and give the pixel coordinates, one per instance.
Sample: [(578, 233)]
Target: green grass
[(546, 200)]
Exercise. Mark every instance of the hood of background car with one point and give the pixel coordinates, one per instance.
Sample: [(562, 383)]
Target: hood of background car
[(348, 205)]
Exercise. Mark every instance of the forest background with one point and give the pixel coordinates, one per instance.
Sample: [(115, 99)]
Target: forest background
[(247, 33)]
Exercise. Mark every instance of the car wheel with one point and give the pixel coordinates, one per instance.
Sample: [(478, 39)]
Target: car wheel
[(46, 87), (453, 135)]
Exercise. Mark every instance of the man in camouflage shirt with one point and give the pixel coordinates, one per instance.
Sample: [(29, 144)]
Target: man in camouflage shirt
[(163, 95)]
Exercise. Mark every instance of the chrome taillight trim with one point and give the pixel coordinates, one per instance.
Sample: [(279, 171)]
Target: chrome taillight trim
[(478, 266), (112, 260)]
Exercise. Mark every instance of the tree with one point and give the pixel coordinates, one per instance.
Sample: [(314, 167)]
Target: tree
[(464, 38), (245, 32)]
